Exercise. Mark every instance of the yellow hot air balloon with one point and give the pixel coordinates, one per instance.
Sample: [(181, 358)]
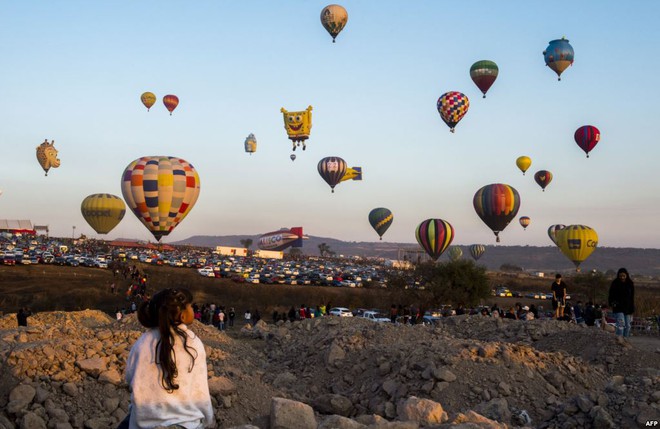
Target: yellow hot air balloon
[(577, 243), (103, 211), (523, 163), (148, 99), (352, 173), (334, 18)]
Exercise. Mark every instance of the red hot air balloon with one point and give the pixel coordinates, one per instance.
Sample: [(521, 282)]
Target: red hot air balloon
[(543, 178), (496, 204), (587, 137), (434, 235), (171, 101), (524, 222)]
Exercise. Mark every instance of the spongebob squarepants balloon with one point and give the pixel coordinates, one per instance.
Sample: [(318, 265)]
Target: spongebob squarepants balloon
[(298, 125)]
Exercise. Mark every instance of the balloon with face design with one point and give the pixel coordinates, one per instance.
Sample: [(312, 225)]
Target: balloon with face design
[(332, 169), (298, 125)]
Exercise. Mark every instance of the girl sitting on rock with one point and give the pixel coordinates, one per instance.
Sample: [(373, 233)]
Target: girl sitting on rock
[(166, 367)]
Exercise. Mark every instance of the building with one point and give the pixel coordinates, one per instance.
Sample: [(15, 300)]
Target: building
[(14, 226)]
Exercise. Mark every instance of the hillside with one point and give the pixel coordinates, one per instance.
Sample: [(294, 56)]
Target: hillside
[(544, 259)]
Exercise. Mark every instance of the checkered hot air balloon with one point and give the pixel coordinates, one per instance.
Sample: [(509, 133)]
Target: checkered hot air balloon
[(452, 106), (161, 191)]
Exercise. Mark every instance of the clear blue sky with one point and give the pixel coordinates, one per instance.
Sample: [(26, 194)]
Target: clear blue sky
[(73, 71)]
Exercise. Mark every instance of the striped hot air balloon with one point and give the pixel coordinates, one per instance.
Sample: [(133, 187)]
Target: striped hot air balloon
[(483, 74), (170, 101), (380, 219), (496, 204), (434, 235), (161, 191), (476, 250), (103, 211), (553, 230), (524, 222), (332, 170), (543, 178), (587, 137)]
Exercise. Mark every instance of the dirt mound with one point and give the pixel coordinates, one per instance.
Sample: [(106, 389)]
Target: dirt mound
[(66, 368)]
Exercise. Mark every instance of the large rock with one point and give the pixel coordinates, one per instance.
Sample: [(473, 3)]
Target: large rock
[(221, 386), (477, 420), (496, 409), (20, 397), (93, 366), (339, 422), (32, 421), (333, 404), (111, 376), (424, 411), (288, 414)]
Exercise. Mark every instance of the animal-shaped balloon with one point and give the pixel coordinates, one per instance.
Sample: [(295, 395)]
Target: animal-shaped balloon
[(452, 106), (103, 211), (559, 56), (148, 99), (587, 137), (161, 191), (434, 235), (334, 18), (171, 101), (47, 155), (298, 125), (543, 178), (524, 222), (332, 169), (476, 250), (251, 144), (523, 163), (483, 74), (496, 204), (380, 220), (577, 243)]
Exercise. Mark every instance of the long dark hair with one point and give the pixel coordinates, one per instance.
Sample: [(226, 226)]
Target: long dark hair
[(163, 311)]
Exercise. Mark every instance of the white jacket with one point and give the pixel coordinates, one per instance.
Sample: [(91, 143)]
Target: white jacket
[(151, 405)]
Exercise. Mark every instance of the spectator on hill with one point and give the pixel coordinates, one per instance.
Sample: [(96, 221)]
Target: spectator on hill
[(248, 317), (232, 315), (511, 314), (393, 312), (302, 313), (22, 315), (256, 317), (292, 314), (534, 311), (622, 300), (578, 312), (558, 296)]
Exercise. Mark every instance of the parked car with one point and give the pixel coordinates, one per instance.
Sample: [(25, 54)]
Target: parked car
[(375, 316), (340, 311)]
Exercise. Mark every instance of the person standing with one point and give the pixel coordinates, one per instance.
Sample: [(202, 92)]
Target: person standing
[(232, 315), (558, 296), (248, 317), (622, 301)]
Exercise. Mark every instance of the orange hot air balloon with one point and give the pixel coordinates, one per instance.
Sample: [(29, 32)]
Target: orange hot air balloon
[(148, 99), (170, 102)]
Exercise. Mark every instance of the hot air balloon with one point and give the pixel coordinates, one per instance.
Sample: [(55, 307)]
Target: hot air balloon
[(434, 235), (251, 144), (577, 242), (334, 19), (452, 106), (352, 173), (332, 169), (523, 163), (455, 253), (47, 156), (496, 204), (524, 222), (380, 220), (292, 157), (543, 178), (558, 56), (476, 250), (161, 191), (587, 137), (483, 74), (103, 211), (298, 125), (148, 99), (170, 102), (553, 230)]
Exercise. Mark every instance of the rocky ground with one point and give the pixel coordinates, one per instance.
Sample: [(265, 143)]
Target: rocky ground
[(66, 371)]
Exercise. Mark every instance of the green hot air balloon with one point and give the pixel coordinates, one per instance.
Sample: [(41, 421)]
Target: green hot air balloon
[(483, 74), (380, 220), (455, 253)]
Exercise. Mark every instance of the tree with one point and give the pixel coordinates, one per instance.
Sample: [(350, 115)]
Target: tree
[(325, 249), (247, 243), (455, 282), (594, 285)]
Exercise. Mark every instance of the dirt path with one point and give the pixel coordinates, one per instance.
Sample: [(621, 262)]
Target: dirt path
[(648, 343)]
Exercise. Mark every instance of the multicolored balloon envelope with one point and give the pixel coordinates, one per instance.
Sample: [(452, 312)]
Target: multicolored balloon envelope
[(587, 137), (47, 156), (161, 191), (553, 230), (148, 99), (543, 178), (455, 253), (452, 106), (332, 169), (170, 101), (476, 250), (496, 204), (577, 243), (103, 211), (559, 56), (523, 163), (434, 235), (524, 221), (334, 18), (483, 74), (380, 220), (250, 144)]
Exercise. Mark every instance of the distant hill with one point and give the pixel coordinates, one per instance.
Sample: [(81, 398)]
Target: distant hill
[(543, 259)]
